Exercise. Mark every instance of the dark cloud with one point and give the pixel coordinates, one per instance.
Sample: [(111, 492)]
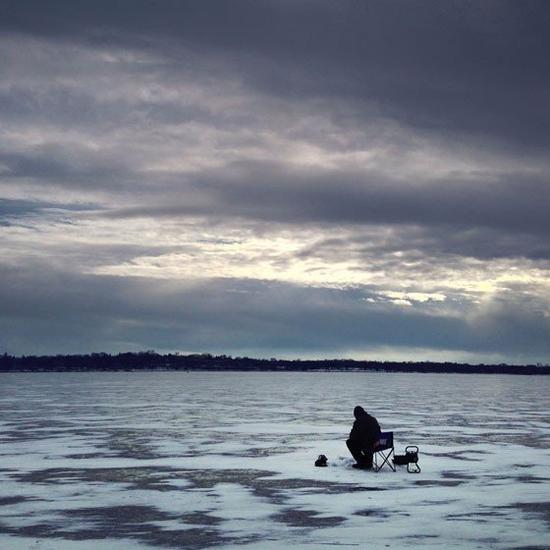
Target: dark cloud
[(507, 217), (429, 245), (17, 210), (470, 68), (62, 167), (52, 310), (277, 193)]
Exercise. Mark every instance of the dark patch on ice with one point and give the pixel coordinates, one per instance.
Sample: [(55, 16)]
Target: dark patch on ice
[(123, 522), (131, 444), (279, 490), (40, 530), (38, 423), (437, 502), (487, 514), (138, 478), (445, 440), (439, 483), (532, 479), (87, 456), (38, 429), (306, 518), (497, 479), (50, 475), (380, 513), (259, 482), (8, 501), (459, 455), (206, 479), (128, 515), (458, 420), (89, 432), (355, 489), (200, 529), (531, 440), (200, 518), (481, 515), (536, 509), (257, 452), (447, 474)]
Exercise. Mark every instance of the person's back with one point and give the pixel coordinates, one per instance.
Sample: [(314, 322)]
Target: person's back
[(365, 428), (364, 434)]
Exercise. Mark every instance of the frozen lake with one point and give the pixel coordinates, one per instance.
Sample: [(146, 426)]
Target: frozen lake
[(197, 460)]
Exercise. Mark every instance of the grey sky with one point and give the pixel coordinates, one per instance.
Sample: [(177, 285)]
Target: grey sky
[(306, 178)]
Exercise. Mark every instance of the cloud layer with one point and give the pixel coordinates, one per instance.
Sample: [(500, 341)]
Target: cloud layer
[(278, 178)]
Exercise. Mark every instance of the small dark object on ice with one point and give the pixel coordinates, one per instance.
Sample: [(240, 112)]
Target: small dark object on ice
[(410, 458), (401, 460), (321, 461)]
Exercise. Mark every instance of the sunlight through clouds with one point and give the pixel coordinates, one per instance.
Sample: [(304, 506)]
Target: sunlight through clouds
[(188, 156)]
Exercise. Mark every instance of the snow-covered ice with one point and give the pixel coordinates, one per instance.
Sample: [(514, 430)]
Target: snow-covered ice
[(141, 460)]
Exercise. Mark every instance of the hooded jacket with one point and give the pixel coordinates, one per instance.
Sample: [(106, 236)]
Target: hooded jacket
[(365, 428)]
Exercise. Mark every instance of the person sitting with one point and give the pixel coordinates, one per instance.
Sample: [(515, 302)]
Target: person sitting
[(362, 438)]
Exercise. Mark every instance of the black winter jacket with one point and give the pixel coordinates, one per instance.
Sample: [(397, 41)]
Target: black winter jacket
[(365, 429)]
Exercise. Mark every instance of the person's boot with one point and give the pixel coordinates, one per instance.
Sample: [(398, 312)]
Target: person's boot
[(362, 465)]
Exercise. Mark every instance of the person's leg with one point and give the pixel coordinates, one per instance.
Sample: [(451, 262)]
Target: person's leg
[(355, 450), (367, 456)]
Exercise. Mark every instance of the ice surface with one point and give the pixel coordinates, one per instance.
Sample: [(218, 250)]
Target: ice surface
[(197, 460)]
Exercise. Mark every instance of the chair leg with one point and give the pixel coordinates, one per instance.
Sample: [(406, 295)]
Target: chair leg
[(386, 460), (391, 455)]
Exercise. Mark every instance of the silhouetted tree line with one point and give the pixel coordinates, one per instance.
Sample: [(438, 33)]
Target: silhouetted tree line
[(149, 360)]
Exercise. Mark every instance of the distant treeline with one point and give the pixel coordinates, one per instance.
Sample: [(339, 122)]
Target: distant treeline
[(149, 360)]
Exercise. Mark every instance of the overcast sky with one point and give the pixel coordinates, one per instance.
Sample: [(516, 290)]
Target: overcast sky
[(290, 178)]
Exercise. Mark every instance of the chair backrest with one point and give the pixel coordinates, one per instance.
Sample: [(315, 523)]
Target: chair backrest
[(385, 441)]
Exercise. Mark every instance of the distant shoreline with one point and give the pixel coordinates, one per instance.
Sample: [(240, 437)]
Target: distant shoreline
[(151, 361)]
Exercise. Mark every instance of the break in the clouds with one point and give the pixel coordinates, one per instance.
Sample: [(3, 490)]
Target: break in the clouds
[(361, 179)]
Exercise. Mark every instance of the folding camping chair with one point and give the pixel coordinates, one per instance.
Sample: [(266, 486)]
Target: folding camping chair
[(383, 452)]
